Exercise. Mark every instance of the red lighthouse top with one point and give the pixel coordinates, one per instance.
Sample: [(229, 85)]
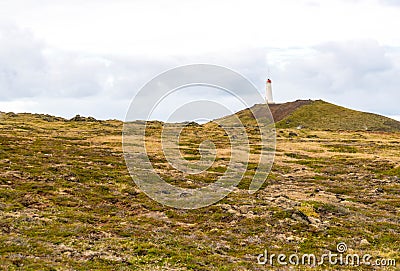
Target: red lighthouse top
[(269, 81)]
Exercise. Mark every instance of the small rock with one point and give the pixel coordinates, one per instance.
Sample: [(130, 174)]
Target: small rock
[(63, 248), (225, 206), (281, 237), (301, 217), (339, 197), (314, 221), (290, 239), (80, 118), (244, 209), (249, 214), (364, 242), (90, 254), (231, 211)]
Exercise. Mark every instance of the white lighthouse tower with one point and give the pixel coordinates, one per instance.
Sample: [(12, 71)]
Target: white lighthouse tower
[(268, 98)]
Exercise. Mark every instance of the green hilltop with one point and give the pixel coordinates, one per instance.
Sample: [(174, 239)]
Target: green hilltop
[(318, 115), (326, 116)]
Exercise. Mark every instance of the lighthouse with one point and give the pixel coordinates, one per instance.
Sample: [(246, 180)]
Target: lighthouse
[(268, 98)]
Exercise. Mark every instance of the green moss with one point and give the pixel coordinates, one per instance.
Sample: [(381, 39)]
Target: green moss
[(67, 200), (320, 115)]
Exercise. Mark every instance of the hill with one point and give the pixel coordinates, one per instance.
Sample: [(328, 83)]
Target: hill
[(67, 201), (319, 115)]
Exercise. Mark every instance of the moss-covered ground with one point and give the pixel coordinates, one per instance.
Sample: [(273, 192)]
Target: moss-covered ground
[(67, 201)]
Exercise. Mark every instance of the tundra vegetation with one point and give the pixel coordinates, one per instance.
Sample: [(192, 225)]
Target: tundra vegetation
[(67, 201)]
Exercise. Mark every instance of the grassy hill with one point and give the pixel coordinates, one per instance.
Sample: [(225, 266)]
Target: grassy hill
[(319, 115), (67, 201)]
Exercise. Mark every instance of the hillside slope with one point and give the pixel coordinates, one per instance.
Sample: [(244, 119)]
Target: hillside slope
[(281, 111), (67, 201), (318, 115), (321, 115)]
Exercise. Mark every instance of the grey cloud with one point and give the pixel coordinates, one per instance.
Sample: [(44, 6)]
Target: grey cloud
[(358, 74), (391, 2), (43, 78), (21, 63), (381, 2), (29, 68)]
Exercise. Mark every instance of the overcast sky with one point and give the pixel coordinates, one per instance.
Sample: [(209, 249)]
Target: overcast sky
[(90, 57)]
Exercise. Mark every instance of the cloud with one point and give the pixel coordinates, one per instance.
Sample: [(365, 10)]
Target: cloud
[(390, 2), (36, 77), (30, 68), (360, 74), (21, 63)]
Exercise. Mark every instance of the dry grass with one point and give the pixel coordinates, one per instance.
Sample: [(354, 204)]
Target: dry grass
[(67, 201)]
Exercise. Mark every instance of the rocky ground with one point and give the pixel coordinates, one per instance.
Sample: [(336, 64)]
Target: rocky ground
[(67, 201)]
